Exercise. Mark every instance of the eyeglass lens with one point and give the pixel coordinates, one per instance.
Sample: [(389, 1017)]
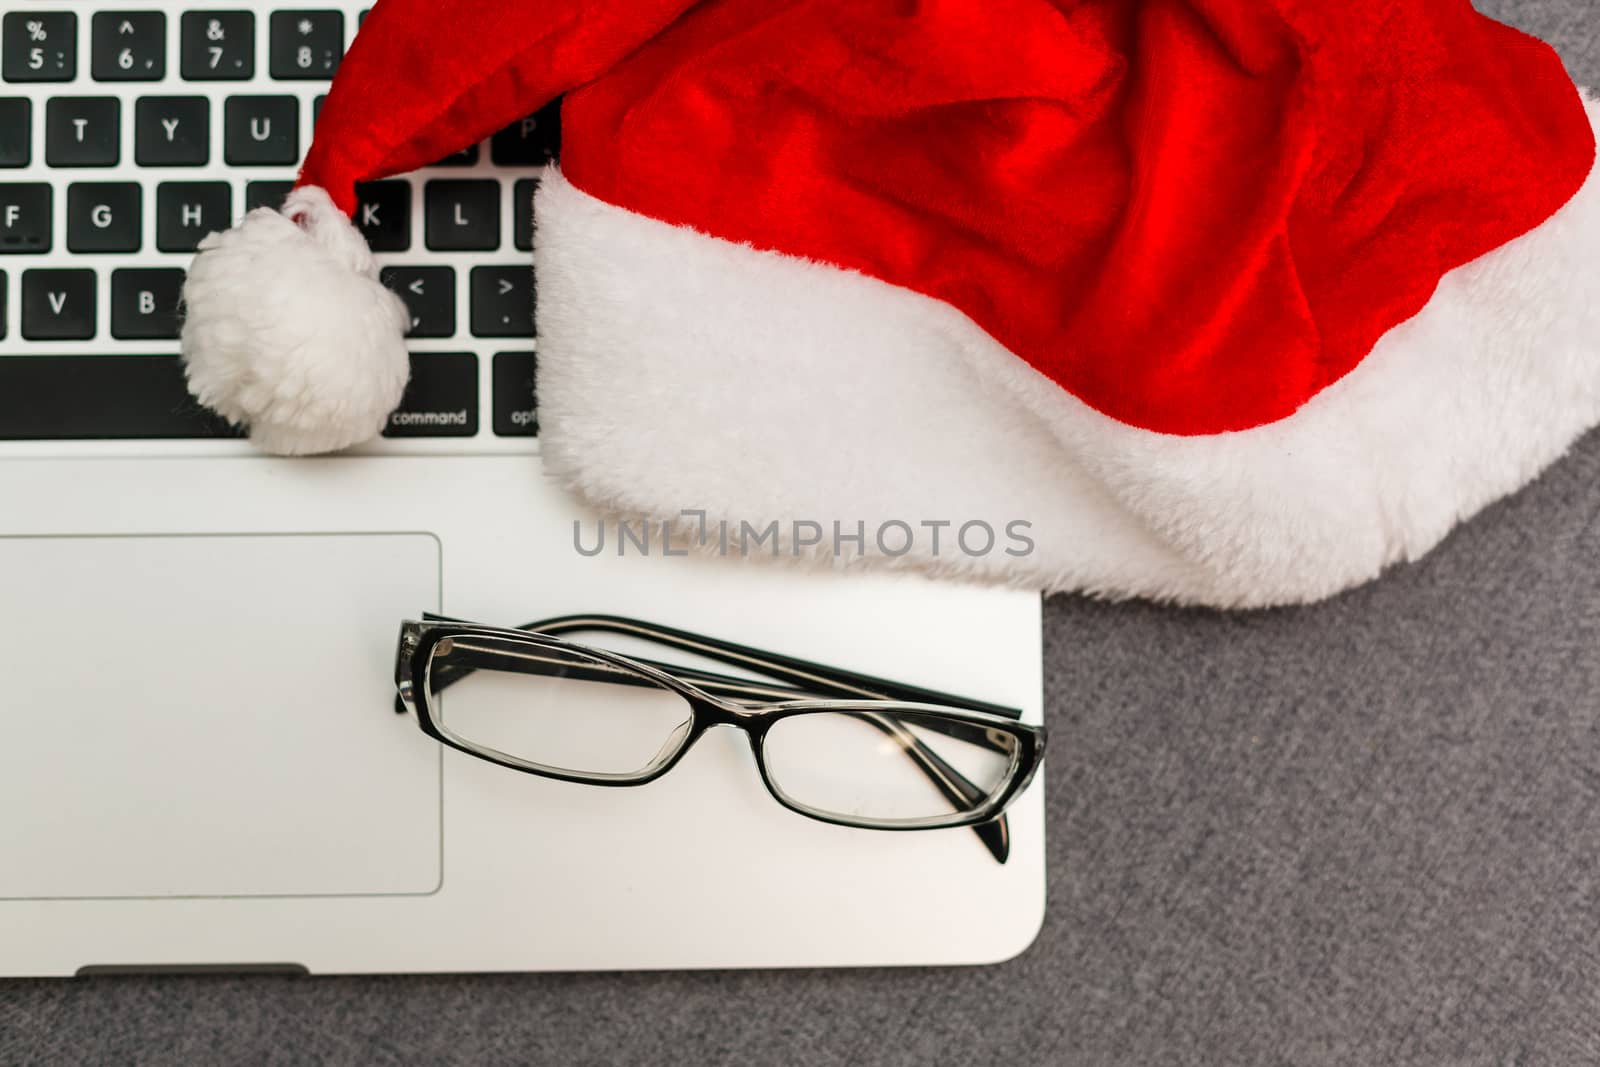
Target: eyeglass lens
[(860, 764), (553, 707)]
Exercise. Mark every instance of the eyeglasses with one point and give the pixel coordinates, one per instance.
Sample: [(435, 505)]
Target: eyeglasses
[(831, 744)]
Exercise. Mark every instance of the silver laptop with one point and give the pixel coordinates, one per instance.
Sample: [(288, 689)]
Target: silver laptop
[(201, 765)]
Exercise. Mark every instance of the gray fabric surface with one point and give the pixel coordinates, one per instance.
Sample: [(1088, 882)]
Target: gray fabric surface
[(1361, 833)]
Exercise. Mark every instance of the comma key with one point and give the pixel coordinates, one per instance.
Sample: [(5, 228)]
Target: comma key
[(430, 296)]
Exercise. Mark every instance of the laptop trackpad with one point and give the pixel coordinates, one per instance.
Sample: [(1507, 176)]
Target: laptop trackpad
[(212, 716)]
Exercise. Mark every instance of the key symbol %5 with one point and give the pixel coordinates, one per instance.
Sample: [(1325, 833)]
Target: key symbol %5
[(35, 30)]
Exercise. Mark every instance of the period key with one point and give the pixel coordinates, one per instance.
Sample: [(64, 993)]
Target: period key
[(442, 398), (502, 301)]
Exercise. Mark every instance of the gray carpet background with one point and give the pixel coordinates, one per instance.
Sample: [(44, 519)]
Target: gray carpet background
[(1361, 833)]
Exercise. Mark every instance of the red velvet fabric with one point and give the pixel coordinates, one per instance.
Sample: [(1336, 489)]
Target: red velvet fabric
[(1192, 214), (426, 78)]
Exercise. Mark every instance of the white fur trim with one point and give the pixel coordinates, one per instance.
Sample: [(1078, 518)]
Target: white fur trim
[(680, 371), (288, 331)]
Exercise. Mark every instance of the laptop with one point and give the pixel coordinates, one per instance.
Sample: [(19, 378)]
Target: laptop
[(201, 765)]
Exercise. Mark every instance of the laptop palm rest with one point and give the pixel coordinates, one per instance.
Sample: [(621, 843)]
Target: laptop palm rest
[(212, 716)]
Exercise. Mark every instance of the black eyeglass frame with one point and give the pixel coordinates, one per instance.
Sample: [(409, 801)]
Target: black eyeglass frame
[(747, 704)]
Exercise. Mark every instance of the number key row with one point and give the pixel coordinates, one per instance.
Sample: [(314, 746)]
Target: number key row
[(42, 46)]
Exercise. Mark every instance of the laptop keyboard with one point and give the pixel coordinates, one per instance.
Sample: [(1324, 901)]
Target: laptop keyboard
[(128, 135)]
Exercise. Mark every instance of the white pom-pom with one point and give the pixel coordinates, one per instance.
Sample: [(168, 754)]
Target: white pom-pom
[(288, 332)]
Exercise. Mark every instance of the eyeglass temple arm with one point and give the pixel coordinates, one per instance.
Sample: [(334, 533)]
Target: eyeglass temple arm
[(807, 679), (817, 679), (804, 674)]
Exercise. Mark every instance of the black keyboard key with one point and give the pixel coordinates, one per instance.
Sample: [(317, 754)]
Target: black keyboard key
[(58, 305), (516, 410), (529, 142), (430, 296), (217, 45), (104, 217), (463, 215), (25, 225), (172, 131), (100, 398), (261, 131), (39, 46), (502, 301), (464, 158), (128, 46), (305, 44), (316, 108), (83, 131), (16, 131), (266, 194), (442, 399), (187, 211), (144, 303), (383, 214), (2, 304), (522, 194)]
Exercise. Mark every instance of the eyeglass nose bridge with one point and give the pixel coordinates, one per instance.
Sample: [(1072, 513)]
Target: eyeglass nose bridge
[(711, 710)]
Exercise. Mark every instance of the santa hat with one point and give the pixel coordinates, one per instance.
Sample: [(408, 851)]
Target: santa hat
[(1226, 301)]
